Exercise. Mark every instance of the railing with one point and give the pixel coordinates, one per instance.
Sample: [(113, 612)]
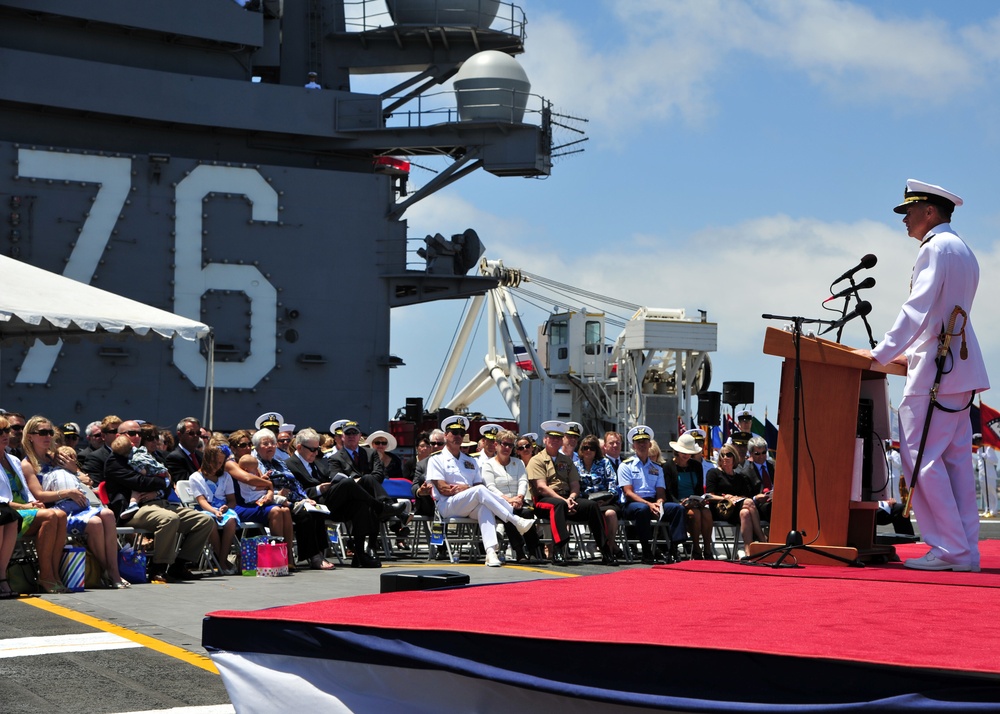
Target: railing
[(441, 108)]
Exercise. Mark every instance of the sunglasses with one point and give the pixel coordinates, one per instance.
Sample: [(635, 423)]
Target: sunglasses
[(437, 443), (5, 430), (132, 432), (458, 432), (759, 453), (244, 445), (380, 443), (71, 437), (44, 432), (725, 456), (284, 441), (507, 444), (310, 449), (589, 448), (524, 447)]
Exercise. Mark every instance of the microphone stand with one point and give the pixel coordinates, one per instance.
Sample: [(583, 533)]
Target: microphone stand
[(793, 541), (864, 317)]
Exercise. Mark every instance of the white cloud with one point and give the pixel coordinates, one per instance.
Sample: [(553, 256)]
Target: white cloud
[(674, 51), (771, 264)]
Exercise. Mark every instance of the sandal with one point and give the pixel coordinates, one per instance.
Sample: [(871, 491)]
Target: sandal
[(52, 587), (122, 584)]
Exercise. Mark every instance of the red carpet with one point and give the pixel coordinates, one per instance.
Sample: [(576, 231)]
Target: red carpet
[(900, 637), (922, 619)]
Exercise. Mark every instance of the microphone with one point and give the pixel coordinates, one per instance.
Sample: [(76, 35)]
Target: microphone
[(863, 308), (863, 285), (867, 262)]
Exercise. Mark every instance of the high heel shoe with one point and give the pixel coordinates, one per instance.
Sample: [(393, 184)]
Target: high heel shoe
[(52, 587)]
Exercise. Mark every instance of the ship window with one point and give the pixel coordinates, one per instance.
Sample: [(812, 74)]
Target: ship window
[(592, 337), (559, 335)]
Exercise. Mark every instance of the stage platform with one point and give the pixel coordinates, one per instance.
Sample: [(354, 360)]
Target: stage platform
[(697, 636)]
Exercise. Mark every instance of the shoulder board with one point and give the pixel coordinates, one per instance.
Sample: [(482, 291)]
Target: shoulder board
[(629, 460)]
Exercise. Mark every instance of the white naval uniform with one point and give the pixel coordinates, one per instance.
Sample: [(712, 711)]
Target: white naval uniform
[(985, 460), (945, 274), (477, 502), (894, 466)]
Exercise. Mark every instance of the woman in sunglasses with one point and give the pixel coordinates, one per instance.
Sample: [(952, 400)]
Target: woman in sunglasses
[(728, 483), (47, 525), (506, 477), (51, 475)]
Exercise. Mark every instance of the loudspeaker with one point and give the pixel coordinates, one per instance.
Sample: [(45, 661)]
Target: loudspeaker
[(709, 408), (414, 409), (734, 393)]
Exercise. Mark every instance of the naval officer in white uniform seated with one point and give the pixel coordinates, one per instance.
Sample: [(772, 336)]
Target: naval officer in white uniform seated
[(460, 491), (945, 276)]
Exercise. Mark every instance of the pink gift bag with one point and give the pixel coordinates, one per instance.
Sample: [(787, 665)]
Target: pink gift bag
[(272, 560)]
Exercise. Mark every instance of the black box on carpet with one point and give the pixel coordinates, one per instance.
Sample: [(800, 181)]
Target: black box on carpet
[(421, 580)]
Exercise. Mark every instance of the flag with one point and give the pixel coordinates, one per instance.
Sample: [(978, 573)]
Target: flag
[(758, 428), (717, 439), (728, 427), (989, 419), (680, 427), (770, 434)]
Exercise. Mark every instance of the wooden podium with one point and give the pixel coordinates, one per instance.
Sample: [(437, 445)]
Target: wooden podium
[(831, 517)]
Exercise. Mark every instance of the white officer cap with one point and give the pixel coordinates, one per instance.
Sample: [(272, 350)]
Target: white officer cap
[(490, 431), (269, 420), (640, 432), (456, 422), (919, 191), (554, 427)]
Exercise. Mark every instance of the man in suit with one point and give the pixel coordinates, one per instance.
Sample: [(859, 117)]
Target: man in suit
[(93, 462), (186, 458), (759, 468), (341, 494), (942, 286), (354, 461), (166, 520)]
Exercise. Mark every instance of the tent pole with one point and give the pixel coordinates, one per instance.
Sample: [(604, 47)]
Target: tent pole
[(208, 412)]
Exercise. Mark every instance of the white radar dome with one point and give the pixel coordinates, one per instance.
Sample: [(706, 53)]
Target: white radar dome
[(491, 86)]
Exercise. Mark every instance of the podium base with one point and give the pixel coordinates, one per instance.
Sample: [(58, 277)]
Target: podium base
[(875, 554)]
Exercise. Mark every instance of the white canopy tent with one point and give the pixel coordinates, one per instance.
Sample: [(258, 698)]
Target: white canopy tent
[(36, 304)]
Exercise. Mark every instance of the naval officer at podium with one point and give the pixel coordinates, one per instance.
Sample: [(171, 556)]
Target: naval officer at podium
[(944, 280)]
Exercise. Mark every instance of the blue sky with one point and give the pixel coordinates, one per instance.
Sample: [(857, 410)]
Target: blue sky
[(741, 155)]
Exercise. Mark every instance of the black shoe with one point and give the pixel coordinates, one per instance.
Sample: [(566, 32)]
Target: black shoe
[(180, 572), (363, 560), (610, 560), (558, 559), (647, 559), (397, 509)]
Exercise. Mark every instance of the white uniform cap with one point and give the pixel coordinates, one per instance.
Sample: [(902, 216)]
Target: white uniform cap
[(919, 191), (270, 420), (641, 432)]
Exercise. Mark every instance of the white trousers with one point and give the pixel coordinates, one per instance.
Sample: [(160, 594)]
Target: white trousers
[(987, 474), (482, 504), (945, 499)]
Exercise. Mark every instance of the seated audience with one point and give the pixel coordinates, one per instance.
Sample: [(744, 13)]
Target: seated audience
[(508, 479), (460, 492), (727, 483), (164, 518), (684, 478), (254, 494), (641, 481), (600, 483), (51, 477), (213, 489)]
